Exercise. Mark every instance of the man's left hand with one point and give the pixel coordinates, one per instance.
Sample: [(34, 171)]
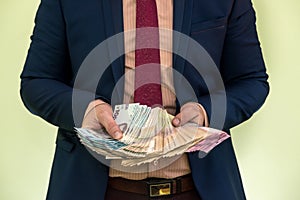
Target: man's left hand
[(190, 112)]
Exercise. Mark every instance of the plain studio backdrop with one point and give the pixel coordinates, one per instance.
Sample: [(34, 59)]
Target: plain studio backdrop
[(267, 145)]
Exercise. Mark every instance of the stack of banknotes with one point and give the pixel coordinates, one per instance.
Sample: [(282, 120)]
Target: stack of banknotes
[(149, 135)]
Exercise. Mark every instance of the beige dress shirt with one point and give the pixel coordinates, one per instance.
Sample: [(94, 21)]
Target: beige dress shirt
[(163, 168)]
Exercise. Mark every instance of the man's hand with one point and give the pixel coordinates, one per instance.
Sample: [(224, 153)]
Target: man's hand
[(98, 115), (190, 112)]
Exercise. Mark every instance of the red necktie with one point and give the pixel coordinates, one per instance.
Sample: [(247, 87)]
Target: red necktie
[(147, 61)]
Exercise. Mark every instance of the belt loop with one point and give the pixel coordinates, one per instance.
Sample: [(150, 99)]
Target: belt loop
[(178, 185)]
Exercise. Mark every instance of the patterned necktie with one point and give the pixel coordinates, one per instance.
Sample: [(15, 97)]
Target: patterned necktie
[(147, 61)]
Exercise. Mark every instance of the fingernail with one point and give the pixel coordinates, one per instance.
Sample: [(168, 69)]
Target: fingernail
[(118, 135), (176, 121)]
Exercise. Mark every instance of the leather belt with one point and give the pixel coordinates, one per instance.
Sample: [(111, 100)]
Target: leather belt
[(153, 187)]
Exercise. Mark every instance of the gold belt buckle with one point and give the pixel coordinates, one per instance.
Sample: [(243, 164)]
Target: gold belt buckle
[(160, 189)]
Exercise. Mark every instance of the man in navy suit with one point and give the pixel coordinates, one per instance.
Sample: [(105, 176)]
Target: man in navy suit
[(66, 31)]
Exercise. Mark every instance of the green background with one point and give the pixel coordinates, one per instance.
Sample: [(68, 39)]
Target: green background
[(267, 146)]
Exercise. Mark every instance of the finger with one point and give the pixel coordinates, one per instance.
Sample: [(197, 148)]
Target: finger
[(190, 112), (177, 120), (90, 121), (112, 128), (106, 120), (187, 116), (184, 116)]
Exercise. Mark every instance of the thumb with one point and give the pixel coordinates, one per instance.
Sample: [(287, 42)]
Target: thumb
[(176, 120), (112, 128), (104, 117)]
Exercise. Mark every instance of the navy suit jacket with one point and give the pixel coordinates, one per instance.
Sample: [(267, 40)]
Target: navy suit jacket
[(67, 30)]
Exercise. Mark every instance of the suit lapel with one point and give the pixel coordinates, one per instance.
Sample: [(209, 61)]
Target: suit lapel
[(113, 15), (182, 24)]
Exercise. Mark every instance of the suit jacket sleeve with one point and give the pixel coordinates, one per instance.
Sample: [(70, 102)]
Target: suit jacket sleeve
[(242, 68), (46, 80)]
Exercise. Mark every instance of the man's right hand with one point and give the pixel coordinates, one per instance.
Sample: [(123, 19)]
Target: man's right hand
[(98, 115)]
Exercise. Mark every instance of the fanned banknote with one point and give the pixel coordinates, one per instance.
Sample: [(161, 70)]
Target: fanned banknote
[(148, 135)]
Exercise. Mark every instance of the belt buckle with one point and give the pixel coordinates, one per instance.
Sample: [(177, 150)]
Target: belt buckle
[(160, 188)]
